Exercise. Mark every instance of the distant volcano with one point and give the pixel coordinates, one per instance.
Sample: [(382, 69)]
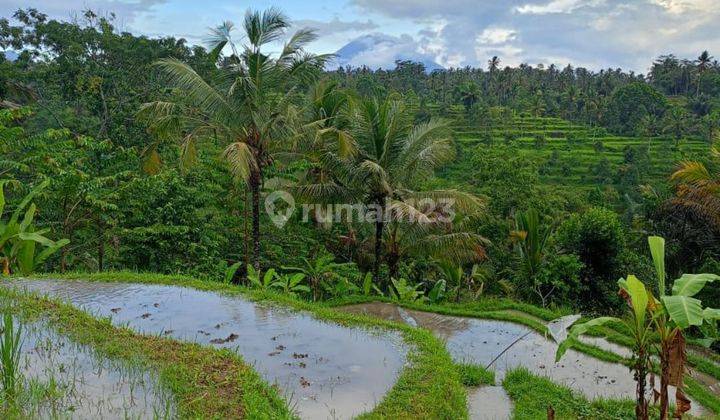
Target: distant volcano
[(381, 51)]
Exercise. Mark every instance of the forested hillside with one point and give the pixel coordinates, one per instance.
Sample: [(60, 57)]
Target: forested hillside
[(150, 169), (248, 232)]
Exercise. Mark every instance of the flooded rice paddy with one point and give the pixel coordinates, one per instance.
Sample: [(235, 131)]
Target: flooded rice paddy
[(502, 346), (323, 369), (61, 379)]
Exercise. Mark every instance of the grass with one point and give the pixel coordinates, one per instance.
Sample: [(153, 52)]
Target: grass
[(401, 397), (498, 309), (702, 395), (206, 383), (490, 308), (10, 342), (567, 165), (532, 395), (475, 375), (429, 386)]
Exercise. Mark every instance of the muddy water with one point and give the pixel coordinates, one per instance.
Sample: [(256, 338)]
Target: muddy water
[(483, 341), (489, 403), (324, 370), (80, 384)]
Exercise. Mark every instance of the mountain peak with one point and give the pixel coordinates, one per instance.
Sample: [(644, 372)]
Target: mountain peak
[(381, 51)]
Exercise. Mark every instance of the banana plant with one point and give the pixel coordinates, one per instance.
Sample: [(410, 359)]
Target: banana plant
[(639, 322), (454, 277), (405, 292), (437, 293), (264, 283), (291, 283), (667, 318), (318, 271), (673, 314), (19, 239)]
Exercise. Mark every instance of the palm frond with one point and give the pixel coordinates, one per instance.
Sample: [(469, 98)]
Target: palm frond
[(405, 212), (264, 28), (322, 193), (460, 201), (294, 46), (194, 87), (218, 38), (457, 248), (693, 173), (241, 160)]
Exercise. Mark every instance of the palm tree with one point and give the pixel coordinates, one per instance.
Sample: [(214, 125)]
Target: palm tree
[(493, 64), (676, 121), (710, 124), (698, 189), (469, 94), (450, 243), (649, 126), (703, 62), (392, 158), (245, 107), (530, 238), (537, 106)]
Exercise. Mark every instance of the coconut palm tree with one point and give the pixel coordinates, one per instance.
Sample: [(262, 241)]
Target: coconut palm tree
[(675, 123), (326, 116), (698, 189), (469, 93), (493, 64), (245, 106), (391, 160), (703, 62), (448, 242), (649, 126)]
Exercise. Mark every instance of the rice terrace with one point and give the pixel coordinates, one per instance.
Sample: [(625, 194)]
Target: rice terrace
[(360, 209)]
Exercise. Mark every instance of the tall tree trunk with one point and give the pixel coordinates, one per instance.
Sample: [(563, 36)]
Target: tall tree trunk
[(392, 262), (63, 259), (393, 255), (379, 226), (255, 180), (246, 235)]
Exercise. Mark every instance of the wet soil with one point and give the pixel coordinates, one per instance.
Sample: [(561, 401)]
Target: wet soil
[(78, 383), (502, 346), (323, 369)]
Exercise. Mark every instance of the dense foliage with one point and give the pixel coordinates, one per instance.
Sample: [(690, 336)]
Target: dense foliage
[(158, 156)]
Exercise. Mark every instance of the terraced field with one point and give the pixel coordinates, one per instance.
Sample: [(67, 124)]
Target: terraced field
[(565, 153)]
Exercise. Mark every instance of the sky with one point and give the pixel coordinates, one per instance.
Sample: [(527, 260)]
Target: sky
[(451, 33)]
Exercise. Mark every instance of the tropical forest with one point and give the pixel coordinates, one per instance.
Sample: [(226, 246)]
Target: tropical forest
[(251, 227)]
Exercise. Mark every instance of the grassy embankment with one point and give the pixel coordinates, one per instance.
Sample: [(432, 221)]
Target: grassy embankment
[(399, 401), (205, 383), (430, 386)]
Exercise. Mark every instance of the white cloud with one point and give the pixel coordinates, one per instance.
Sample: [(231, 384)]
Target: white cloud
[(380, 50), (509, 55), (678, 7), (494, 35), (335, 25), (556, 6)]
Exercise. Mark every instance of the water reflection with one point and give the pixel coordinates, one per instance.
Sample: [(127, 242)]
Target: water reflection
[(325, 370)]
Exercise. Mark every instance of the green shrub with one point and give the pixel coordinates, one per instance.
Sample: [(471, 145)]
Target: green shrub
[(597, 237)]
